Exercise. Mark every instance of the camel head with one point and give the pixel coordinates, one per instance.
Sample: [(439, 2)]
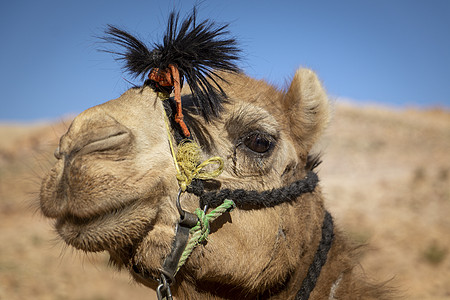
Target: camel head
[(115, 183)]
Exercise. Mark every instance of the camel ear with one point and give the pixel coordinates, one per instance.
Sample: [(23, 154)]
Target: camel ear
[(306, 104)]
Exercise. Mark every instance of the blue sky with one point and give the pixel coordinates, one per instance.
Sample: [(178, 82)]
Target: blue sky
[(392, 52)]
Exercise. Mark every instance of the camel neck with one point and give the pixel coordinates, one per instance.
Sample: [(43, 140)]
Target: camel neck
[(286, 289)]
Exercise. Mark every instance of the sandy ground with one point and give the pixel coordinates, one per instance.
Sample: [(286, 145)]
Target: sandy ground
[(385, 174)]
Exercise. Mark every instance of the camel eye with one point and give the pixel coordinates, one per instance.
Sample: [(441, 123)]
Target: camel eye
[(258, 143)]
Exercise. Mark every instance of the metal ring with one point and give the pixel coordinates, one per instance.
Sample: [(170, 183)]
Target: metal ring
[(180, 210), (159, 292), (163, 290)]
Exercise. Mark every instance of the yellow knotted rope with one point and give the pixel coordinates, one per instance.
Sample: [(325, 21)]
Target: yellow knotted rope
[(188, 168), (187, 160), (188, 156)]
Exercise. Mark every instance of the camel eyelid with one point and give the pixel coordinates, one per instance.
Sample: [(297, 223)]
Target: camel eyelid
[(242, 143)]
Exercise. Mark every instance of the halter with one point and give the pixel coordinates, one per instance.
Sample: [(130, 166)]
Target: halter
[(243, 199), (171, 262), (196, 52)]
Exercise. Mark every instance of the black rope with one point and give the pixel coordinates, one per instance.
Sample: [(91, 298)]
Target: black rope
[(253, 199), (320, 258)]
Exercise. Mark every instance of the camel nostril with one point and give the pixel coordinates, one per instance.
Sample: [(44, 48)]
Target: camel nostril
[(113, 140)]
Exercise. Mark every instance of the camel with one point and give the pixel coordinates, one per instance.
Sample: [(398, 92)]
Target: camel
[(115, 187)]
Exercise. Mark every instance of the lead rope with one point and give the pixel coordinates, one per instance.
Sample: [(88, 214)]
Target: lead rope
[(200, 232)]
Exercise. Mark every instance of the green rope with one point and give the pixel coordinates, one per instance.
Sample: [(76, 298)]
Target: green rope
[(199, 232)]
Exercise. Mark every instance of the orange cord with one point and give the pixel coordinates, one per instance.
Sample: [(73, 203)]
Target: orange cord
[(171, 77)]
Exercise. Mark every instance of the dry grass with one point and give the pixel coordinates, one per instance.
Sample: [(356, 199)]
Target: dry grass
[(385, 174)]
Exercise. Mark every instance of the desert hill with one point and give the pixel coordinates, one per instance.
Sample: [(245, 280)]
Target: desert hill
[(385, 174)]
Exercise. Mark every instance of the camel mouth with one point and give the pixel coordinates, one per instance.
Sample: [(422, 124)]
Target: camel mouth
[(143, 277), (112, 230)]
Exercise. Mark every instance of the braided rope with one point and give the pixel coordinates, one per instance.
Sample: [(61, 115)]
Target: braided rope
[(170, 77), (255, 199), (320, 258), (200, 232)]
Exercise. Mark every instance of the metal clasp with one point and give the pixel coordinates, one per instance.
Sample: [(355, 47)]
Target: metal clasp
[(187, 219), (163, 291), (180, 209)]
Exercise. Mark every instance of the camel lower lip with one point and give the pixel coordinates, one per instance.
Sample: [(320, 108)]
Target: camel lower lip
[(109, 231)]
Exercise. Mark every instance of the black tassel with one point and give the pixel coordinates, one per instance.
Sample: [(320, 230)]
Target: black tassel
[(199, 51)]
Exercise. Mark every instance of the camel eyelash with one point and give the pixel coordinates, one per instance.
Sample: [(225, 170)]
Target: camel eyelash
[(257, 143)]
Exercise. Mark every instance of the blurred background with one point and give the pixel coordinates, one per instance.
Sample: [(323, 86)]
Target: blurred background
[(385, 65)]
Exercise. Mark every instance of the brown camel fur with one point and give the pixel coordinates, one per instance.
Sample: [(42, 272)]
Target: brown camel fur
[(114, 187)]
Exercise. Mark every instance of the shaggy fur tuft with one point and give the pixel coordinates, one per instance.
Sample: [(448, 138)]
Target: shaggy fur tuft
[(199, 51)]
